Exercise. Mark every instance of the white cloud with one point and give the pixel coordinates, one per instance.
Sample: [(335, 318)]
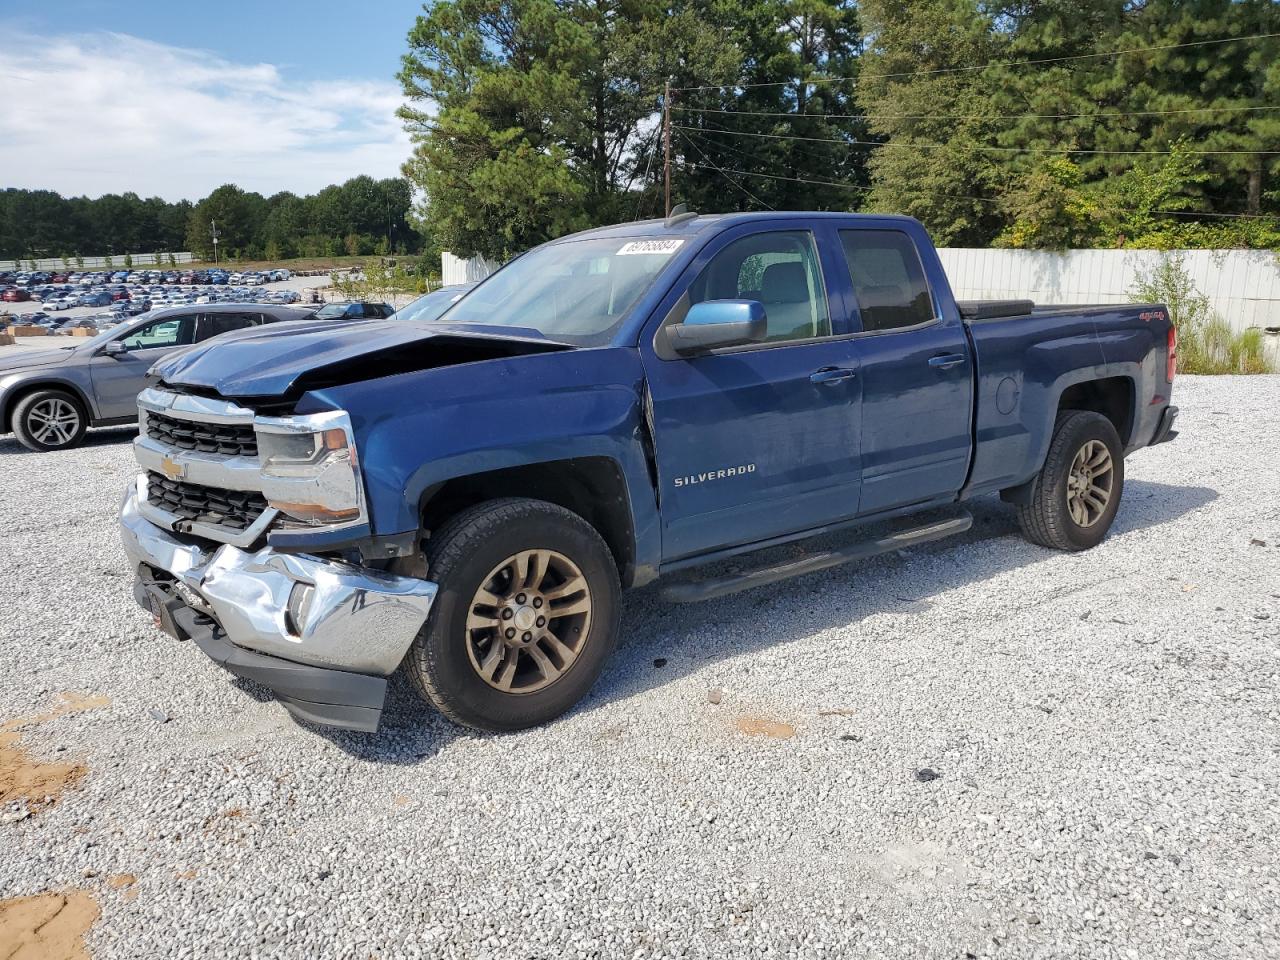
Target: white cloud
[(105, 113)]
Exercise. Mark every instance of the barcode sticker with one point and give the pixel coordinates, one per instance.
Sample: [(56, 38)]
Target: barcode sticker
[(651, 247)]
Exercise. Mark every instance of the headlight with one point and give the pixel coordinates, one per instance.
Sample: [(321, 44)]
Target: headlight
[(309, 468)]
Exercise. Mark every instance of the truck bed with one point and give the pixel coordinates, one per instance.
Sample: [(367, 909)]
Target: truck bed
[(1027, 357)]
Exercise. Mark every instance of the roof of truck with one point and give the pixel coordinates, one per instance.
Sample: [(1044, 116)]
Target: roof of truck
[(687, 225)]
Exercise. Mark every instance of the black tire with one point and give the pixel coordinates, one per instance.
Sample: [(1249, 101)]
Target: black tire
[(460, 555), (1047, 519), (31, 425)]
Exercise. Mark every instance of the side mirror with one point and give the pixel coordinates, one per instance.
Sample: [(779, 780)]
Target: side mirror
[(718, 323), (114, 349)]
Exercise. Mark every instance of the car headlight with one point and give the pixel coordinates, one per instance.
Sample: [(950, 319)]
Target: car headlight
[(309, 467)]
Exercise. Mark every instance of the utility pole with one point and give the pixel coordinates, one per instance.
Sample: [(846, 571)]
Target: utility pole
[(213, 231), (666, 143)]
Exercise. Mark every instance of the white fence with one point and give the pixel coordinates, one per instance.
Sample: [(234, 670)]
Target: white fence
[(98, 263), (1243, 286), (457, 270)]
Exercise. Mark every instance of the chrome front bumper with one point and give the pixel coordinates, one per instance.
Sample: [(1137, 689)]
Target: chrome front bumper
[(312, 612)]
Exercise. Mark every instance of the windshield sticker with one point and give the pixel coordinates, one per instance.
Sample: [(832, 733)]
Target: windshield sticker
[(658, 247)]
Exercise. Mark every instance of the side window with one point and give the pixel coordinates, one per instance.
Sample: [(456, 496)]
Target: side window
[(212, 324), (778, 269), (169, 332), (888, 279)]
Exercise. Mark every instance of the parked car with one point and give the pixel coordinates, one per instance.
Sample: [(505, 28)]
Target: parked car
[(354, 311), (49, 398), (431, 305), (465, 499), (60, 301), (15, 295)]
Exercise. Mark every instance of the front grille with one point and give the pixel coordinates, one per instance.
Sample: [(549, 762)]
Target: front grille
[(233, 509), (229, 439)]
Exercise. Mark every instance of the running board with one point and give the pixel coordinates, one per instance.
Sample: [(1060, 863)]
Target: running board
[(723, 586)]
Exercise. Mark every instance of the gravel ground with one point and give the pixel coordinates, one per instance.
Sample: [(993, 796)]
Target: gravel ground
[(1101, 730)]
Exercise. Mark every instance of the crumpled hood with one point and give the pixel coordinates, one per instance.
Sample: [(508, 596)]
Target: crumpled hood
[(284, 359), (33, 358)]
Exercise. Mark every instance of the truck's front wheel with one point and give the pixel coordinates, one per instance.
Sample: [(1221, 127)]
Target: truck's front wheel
[(526, 615), (1074, 498)]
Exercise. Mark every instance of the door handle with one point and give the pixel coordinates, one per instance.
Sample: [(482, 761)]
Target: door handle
[(832, 375), (947, 360)]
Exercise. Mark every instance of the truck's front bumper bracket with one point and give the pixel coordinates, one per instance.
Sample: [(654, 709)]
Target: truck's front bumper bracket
[(322, 635)]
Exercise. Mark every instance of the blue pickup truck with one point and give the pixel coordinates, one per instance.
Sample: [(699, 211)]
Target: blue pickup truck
[(464, 499)]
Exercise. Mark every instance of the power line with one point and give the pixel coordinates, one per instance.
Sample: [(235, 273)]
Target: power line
[(967, 116), (689, 140), (915, 145), (755, 157), (1006, 63), (947, 196)]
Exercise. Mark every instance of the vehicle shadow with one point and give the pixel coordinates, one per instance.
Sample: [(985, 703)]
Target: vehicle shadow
[(96, 437), (685, 637)]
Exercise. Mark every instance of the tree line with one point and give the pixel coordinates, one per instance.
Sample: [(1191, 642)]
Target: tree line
[(533, 118), (358, 217)]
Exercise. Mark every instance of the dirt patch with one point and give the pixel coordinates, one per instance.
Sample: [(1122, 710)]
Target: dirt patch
[(120, 880), (48, 926), (68, 702), (24, 778), (763, 727)]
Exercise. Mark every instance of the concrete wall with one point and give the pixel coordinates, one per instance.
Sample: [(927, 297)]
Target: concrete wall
[(1242, 285), (457, 270)]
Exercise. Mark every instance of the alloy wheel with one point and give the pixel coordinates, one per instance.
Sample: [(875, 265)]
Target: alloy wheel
[(53, 422), (528, 621), (1089, 483)]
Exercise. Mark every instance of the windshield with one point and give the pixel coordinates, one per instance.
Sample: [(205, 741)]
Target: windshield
[(576, 292)]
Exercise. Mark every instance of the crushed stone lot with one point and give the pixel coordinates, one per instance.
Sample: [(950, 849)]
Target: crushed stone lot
[(980, 747)]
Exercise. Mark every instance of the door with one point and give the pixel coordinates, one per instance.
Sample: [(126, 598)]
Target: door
[(118, 378), (916, 373), (758, 441)]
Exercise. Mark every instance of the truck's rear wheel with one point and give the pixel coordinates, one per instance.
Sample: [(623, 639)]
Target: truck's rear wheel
[(526, 615), (1075, 496), (49, 420)]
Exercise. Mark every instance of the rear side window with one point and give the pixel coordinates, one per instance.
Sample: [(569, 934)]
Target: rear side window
[(888, 279), (213, 324)]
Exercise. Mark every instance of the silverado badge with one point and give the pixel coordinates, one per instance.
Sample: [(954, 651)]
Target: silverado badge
[(172, 468)]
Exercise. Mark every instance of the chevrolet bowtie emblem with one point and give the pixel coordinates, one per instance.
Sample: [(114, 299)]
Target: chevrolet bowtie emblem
[(172, 469)]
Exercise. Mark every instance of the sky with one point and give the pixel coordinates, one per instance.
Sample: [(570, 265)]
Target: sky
[(173, 99)]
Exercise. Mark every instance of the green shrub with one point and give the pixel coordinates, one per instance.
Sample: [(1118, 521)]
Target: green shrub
[(1206, 342)]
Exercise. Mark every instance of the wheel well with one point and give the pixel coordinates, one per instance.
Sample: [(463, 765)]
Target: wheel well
[(592, 487), (11, 402), (1112, 397)]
